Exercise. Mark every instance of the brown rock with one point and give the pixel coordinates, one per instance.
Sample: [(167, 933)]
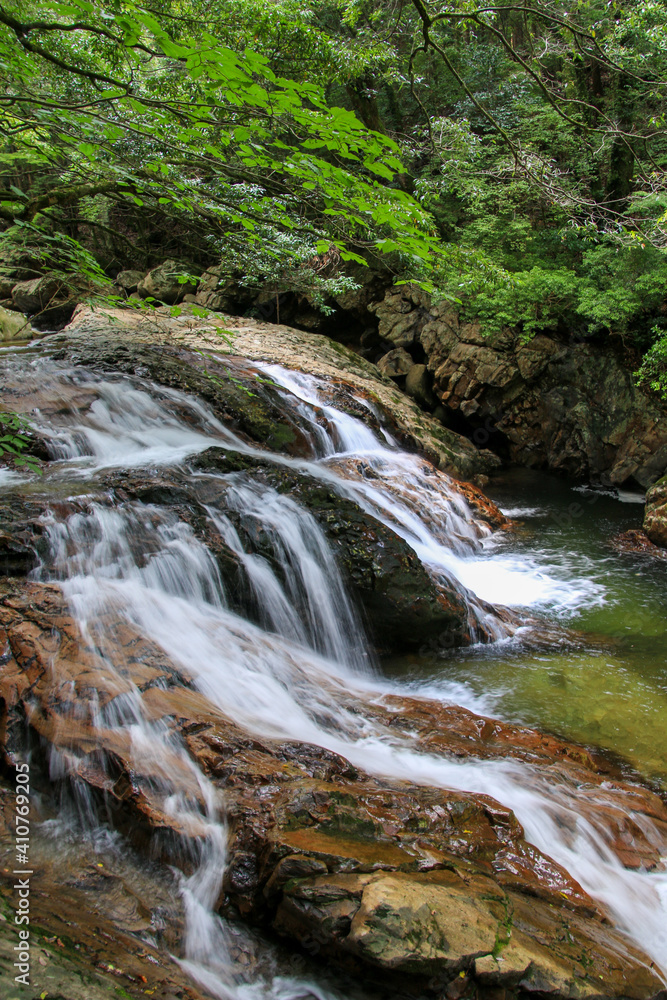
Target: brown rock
[(636, 541)]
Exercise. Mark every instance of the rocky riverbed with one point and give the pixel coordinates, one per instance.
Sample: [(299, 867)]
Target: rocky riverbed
[(171, 677)]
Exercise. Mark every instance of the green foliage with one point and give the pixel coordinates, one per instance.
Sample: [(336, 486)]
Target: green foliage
[(48, 250), (514, 157), (612, 289), (653, 370), (14, 442), (168, 118)]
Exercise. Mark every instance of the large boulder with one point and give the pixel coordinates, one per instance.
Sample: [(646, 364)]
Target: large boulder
[(162, 283), (396, 363), (38, 293), (47, 299), (218, 291), (655, 518), (570, 406), (403, 606), (128, 281), (418, 385), (14, 326)]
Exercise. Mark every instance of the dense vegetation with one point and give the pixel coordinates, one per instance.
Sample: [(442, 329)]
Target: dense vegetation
[(513, 154)]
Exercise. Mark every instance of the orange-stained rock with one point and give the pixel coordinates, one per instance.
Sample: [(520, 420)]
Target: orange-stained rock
[(484, 509), (385, 877)]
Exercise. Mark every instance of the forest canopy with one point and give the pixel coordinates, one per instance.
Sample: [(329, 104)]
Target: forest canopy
[(512, 155)]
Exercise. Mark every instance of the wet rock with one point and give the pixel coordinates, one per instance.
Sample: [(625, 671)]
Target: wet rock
[(417, 887), (637, 542), (93, 912), (655, 518), (231, 390), (402, 605), (396, 363), (20, 536), (162, 283), (484, 509)]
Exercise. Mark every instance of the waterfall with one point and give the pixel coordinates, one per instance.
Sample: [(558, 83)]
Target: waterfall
[(294, 672)]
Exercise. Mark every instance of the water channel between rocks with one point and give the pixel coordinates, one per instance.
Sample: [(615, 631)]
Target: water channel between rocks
[(586, 661)]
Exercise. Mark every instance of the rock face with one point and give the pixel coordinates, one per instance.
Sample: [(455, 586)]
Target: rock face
[(414, 887), (655, 519), (570, 407)]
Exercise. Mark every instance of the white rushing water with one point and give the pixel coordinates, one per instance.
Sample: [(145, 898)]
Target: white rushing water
[(292, 673)]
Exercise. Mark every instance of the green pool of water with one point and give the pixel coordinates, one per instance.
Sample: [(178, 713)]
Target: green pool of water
[(600, 676)]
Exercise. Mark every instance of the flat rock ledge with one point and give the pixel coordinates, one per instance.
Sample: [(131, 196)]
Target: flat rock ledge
[(424, 890)]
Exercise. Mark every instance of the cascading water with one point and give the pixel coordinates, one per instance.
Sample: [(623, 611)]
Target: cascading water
[(290, 675)]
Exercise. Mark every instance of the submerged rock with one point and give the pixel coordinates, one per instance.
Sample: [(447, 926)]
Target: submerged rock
[(414, 887)]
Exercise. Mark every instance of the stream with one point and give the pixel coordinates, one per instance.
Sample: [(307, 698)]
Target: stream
[(586, 660)]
